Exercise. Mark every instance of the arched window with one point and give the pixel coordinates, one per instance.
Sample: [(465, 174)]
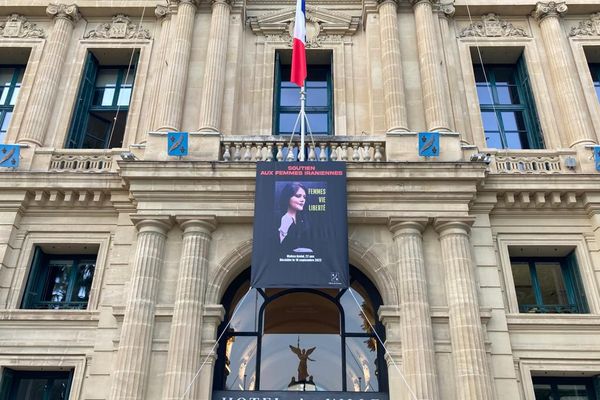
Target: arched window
[(301, 339)]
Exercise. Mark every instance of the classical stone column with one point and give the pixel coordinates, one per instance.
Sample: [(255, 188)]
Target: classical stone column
[(466, 333), (393, 83), (214, 74), (135, 346), (577, 130), (418, 353), (43, 92), (186, 329), (436, 114), (175, 79)]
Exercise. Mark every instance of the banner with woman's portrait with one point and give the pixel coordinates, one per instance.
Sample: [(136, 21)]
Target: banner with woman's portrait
[(300, 225)]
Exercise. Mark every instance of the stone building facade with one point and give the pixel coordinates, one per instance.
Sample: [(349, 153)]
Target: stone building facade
[(116, 258)]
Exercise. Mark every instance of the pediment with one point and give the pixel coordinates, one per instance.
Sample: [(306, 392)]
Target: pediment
[(319, 22)]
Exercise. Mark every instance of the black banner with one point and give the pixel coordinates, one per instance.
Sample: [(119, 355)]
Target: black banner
[(296, 395), (300, 225)]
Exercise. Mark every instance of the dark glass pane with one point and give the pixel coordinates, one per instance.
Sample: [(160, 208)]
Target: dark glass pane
[(290, 97), (551, 283), (6, 77), (319, 122), (284, 363), (361, 365), (358, 320), (106, 83), (507, 95), (490, 121), (5, 121), (58, 389), (30, 389), (57, 284), (484, 94), (302, 312), (83, 281), (573, 392), (479, 74), (513, 121), (543, 391), (287, 121), (98, 129), (504, 75), (317, 97), (523, 286), (246, 313), (515, 140), (316, 84), (240, 363)]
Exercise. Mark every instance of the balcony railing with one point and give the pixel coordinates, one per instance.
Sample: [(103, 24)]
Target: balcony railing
[(81, 161), (269, 148), (533, 162)]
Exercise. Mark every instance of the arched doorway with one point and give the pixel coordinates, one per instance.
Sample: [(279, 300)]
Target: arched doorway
[(301, 339)]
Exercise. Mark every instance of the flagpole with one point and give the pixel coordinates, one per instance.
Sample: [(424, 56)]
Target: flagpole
[(302, 123)]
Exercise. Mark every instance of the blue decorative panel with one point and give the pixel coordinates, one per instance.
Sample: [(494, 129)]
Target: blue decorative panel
[(177, 143), (429, 144), (597, 157), (9, 155)]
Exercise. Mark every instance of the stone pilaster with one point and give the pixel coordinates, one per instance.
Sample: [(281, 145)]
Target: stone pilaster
[(418, 353), (466, 333), (211, 319), (135, 346), (393, 82), (214, 75), (175, 79), (574, 122), (186, 329), (436, 114), (43, 92), (390, 318)]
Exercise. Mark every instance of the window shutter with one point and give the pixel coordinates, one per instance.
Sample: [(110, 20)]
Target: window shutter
[(576, 284), (84, 100), (534, 131), (277, 91), (32, 291), (7, 382)]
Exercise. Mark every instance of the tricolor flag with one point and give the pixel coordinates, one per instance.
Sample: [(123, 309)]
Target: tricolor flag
[(298, 46)]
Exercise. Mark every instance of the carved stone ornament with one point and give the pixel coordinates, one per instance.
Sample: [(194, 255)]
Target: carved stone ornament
[(65, 11), (17, 26), (447, 8), (551, 9), (321, 25), (121, 27), (492, 26), (589, 27)]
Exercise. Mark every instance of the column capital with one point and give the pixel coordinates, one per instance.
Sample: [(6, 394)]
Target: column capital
[(197, 223), (152, 223), (218, 2), (447, 10), (177, 3), (400, 226), (161, 11), (382, 2), (550, 9), (457, 225), (414, 3), (70, 12)]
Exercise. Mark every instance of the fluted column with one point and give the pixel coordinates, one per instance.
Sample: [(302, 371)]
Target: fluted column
[(434, 101), (213, 86), (135, 346), (393, 83), (211, 319), (466, 333), (577, 130), (186, 329), (175, 79), (418, 353), (43, 92)]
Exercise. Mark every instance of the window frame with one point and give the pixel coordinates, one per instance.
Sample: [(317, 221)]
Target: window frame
[(278, 109), (9, 382), (38, 280), (575, 292), (219, 378), (555, 381), (9, 108), (533, 133)]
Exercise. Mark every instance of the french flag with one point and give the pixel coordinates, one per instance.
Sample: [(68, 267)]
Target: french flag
[(298, 45)]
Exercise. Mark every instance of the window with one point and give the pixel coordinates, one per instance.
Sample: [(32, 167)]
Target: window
[(262, 348), (595, 70), (548, 285), (10, 85), (507, 106), (59, 281), (566, 388), (319, 95), (103, 103), (35, 385)]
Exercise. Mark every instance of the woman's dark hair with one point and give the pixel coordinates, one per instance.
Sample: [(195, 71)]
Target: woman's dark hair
[(286, 194)]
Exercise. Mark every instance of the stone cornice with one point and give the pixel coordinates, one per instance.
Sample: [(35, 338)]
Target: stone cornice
[(17, 26), (492, 26), (121, 27), (69, 12), (589, 27), (550, 9)]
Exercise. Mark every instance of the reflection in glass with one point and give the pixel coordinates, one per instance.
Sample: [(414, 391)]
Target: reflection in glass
[(246, 313), (551, 283), (484, 94), (240, 363), (361, 365), (523, 286)]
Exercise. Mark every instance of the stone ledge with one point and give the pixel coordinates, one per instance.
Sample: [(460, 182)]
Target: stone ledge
[(553, 322)]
